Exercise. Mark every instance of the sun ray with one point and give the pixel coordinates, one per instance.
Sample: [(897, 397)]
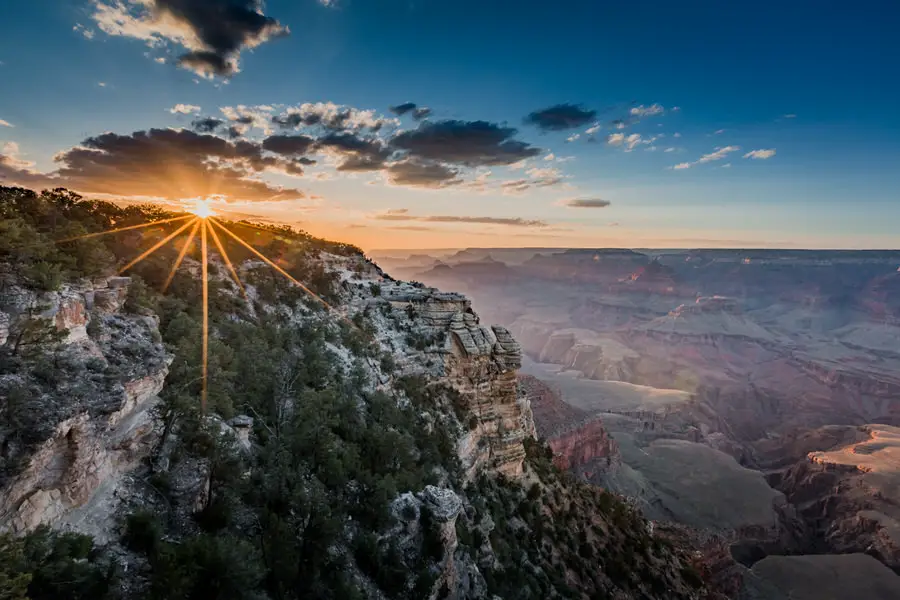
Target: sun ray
[(99, 233), (203, 376), (181, 255), (228, 263), (156, 247), (275, 266)]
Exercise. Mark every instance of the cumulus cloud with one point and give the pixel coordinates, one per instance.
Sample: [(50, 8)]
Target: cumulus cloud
[(212, 33), (421, 174), (466, 143), (331, 117), (167, 163), (4, 123), (560, 117), (508, 221), (761, 154), (183, 109), (717, 154), (357, 153), (585, 203)]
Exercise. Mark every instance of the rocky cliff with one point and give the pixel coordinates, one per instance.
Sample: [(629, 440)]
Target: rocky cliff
[(579, 441), (81, 380)]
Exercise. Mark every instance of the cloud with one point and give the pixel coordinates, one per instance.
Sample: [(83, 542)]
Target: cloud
[(670, 149), (574, 137), (166, 163), (627, 141), (676, 135), (508, 221), (10, 157), (184, 109), (422, 174), (718, 154), (726, 166), (206, 124), (647, 111), (212, 32), (466, 143), (789, 116), (88, 34), (357, 153), (288, 145), (718, 132), (560, 117), (330, 116), (4, 123), (586, 203), (418, 112), (761, 154)]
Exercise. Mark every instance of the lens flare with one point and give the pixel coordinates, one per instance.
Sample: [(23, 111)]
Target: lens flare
[(202, 224), (201, 207)]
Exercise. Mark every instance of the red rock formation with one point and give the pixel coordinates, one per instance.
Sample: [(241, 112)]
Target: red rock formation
[(578, 439)]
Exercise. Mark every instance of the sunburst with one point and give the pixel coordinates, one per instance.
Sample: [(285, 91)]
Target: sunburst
[(201, 222)]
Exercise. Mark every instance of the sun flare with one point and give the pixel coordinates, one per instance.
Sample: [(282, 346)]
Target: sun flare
[(202, 207)]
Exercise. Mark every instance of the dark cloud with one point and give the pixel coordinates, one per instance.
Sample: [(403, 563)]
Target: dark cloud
[(418, 174), (510, 221), (206, 124), (402, 109), (214, 32), (172, 164), (288, 145), (359, 153), (586, 203), (418, 112), (561, 117), (467, 143)]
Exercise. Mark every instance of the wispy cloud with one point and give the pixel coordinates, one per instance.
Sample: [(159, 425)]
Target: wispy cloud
[(4, 123), (184, 109), (87, 33), (585, 203), (506, 221), (647, 111), (761, 154), (718, 154)]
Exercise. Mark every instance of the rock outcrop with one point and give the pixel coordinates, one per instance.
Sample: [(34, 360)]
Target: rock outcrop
[(847, 493), (91, 422), (480, 364), (579, 441)]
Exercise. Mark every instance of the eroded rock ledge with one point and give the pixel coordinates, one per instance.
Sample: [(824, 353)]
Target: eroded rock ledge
[(90, 422)]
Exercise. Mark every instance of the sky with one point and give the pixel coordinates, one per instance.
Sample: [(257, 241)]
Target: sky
[(488, 123)]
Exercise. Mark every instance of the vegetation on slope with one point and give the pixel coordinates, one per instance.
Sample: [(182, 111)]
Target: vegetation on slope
[(307, 511)]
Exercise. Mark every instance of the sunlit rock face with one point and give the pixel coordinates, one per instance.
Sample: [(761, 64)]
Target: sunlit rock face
[(94, 422), (480, 363), (847, 488), (579, 441)]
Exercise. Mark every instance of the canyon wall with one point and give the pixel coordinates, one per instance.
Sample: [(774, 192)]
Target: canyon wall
[(84, 427)]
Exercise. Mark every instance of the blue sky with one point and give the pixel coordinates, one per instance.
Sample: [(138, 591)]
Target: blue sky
[(798, 101)]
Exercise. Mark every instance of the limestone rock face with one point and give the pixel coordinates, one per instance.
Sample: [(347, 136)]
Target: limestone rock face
[(90, 424), (480, 363)]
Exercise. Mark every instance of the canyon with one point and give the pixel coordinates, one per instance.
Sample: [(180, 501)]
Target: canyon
[(749, 396)]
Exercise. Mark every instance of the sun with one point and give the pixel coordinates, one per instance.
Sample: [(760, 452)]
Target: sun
[(201, 207)]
